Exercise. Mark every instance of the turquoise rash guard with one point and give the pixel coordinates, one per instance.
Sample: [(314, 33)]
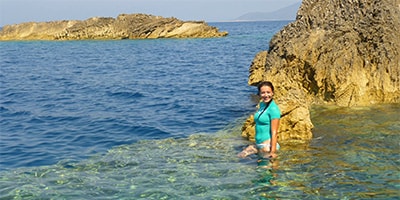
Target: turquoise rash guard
[(263, 121)]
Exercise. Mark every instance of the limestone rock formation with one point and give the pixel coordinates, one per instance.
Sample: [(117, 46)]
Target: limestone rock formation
[(125, 26), (341, 52)]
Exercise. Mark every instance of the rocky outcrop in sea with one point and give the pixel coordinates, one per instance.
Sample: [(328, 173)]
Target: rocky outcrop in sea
[(125, 26), (336, 52)]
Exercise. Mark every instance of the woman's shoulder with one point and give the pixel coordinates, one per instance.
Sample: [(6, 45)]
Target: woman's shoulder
[(274, 105)]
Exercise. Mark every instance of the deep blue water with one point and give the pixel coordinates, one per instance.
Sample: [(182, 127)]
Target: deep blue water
[(72, 99)]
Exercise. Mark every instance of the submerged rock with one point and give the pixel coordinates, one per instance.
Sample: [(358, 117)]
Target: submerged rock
[(125, 26), (345, 53)]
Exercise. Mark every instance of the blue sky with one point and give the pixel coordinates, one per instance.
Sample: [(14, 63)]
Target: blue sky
[(18, 11)]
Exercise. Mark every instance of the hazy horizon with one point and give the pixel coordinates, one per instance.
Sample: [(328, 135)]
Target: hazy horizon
[(19, 11)]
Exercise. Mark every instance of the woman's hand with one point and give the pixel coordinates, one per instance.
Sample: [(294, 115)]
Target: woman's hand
[(273, 155), (269, 155)]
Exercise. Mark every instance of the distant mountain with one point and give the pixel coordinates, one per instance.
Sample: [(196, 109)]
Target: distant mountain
[(286, 13)]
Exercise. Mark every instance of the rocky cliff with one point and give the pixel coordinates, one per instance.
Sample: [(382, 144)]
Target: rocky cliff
[(132, 26), (341, 52)]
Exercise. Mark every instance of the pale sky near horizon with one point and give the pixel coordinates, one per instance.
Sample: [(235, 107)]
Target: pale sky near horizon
[(19, 11)]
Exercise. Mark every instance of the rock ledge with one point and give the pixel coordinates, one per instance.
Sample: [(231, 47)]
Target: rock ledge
[(125, 26)]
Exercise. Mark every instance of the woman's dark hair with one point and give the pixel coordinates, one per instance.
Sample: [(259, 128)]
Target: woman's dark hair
[(265, 83)]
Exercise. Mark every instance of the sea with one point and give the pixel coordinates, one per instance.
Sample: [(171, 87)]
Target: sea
[(162, 119)]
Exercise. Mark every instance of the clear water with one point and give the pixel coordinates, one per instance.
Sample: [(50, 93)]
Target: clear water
[(161, 119)]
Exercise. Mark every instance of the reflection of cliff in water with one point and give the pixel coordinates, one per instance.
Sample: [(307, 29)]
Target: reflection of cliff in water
[(352, 147)]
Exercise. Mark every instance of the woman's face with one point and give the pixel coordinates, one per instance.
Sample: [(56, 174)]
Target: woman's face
[(266, 93)]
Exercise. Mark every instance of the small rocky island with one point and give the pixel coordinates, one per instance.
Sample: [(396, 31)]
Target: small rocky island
[(125, 26), (337, 53)]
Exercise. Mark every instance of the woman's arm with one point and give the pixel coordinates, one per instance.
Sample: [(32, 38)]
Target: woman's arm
[(274, 136)]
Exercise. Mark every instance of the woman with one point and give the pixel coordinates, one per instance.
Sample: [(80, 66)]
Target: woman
[(267, 124)]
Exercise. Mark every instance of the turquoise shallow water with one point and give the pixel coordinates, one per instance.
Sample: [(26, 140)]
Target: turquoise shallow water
[(354, 155)]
